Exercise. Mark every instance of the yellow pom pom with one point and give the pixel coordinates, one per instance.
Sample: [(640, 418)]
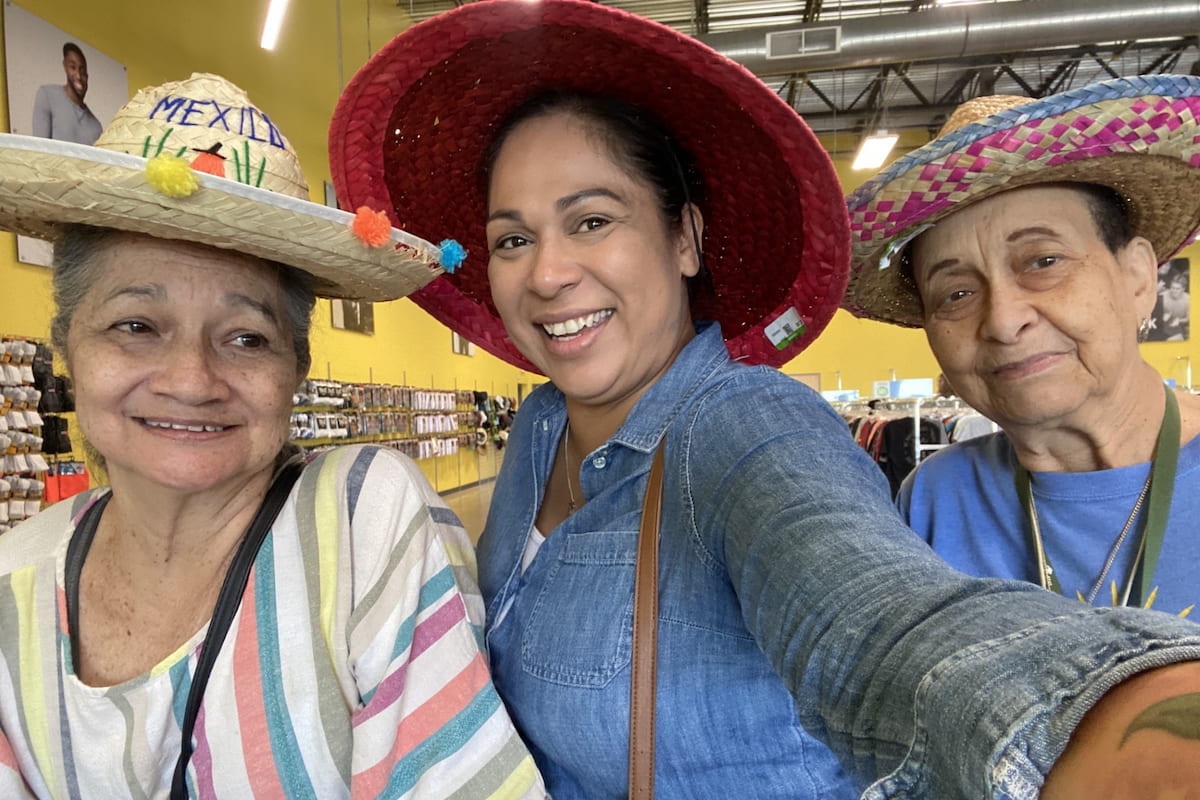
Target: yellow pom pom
[(171, 175)]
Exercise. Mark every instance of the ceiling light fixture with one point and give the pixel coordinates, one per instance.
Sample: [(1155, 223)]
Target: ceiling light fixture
[(275, 14), (874, 150)]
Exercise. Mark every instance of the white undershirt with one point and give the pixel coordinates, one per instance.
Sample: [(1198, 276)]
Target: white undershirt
[(532, 545)]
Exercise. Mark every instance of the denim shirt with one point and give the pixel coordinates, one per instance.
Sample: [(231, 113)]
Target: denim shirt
[(790, 592)]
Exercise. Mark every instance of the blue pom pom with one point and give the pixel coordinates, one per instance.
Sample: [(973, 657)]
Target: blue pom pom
[(453, 254)]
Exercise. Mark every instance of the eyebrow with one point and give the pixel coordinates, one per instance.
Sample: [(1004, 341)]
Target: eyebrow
[(158, 293), (152, 291), (566, 202), (1032, 230), (945, 263), (562, 204), (235, 299), (1017, 235)]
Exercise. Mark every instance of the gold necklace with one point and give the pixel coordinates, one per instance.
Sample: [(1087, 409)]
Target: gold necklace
[(1045, 570), (567, 469)]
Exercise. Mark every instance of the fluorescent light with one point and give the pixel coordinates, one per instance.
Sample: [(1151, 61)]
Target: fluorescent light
[(955, 2), (874, 150), (275, 14)]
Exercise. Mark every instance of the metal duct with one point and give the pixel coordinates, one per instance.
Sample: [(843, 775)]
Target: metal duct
[(954, 32)]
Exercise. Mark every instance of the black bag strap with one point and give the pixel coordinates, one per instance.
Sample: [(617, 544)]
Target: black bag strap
[(226, 609)]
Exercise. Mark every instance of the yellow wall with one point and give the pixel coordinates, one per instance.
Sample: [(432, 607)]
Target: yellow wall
[(321, 46)]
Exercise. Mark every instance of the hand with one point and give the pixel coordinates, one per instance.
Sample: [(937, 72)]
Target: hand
[(1142, 740)]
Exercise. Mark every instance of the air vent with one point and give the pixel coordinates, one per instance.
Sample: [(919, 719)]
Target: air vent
[(804, 42)]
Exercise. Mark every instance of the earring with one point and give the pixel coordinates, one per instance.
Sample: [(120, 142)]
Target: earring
[(1143, 332)]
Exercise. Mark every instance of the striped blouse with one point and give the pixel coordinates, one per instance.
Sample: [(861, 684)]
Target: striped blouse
[(353, 668)]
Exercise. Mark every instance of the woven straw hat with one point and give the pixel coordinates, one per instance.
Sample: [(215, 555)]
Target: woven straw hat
[(200, 128), (775, 233), (1138, 136)]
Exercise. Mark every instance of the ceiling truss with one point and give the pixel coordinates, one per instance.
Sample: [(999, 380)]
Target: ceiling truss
[(902, 95)]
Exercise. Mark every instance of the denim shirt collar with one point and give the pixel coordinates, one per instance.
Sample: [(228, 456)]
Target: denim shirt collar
[(654, 411)]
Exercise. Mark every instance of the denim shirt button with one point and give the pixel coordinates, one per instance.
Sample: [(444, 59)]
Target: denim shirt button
[(599, 461)]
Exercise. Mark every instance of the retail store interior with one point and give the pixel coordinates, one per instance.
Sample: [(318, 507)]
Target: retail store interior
[(852, 68)]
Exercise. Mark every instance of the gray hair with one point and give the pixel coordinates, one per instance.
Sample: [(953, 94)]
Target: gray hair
[(76, 269)]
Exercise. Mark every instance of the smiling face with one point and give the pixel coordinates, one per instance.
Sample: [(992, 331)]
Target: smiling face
[(1032, 318), (585, 271), (183, 364), (75, 66)]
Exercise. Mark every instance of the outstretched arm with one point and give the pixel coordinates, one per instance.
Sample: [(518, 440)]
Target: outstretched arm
[(42, 125), (925, 680), (1142, 740)]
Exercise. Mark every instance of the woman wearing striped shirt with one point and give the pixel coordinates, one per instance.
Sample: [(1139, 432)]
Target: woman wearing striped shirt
[(351, 665)]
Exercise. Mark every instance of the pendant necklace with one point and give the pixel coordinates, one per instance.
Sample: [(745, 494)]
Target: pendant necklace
[(1158, 488), (567, 470), (1047, 572)]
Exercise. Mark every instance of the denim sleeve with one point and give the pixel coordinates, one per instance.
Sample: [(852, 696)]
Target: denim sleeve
[(931, 683)]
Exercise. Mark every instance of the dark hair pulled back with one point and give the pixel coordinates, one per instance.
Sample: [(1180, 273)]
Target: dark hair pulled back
[(636, 141)]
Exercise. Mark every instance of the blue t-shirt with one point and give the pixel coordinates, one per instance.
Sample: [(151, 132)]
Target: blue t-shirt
[(963, 501)]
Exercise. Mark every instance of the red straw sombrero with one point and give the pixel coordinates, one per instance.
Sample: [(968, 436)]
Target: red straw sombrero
[(1138, 136), (410, 130)]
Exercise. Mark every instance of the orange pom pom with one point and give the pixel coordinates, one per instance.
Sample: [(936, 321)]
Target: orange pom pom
[(372, 227)]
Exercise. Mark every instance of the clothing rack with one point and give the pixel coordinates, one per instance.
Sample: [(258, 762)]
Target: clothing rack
[(947, 403)]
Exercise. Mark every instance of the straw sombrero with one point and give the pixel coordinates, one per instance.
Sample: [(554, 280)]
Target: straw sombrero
[(156, 168), (1138, 136), (409, 134)]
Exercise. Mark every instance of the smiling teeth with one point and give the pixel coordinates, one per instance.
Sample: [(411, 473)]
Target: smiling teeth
[(571, 327), (193, 428)]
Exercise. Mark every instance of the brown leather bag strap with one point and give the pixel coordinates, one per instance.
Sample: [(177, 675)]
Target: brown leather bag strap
[(645, 639)]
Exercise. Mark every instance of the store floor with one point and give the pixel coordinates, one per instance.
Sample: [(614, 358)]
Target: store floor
[(471, 505)]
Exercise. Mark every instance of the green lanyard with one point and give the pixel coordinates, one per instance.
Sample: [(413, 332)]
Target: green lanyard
[(1162, 486)]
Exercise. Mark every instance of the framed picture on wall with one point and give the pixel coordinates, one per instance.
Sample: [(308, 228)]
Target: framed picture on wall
[(59, 87), (1171, 320), (352, 315), (460, 346)]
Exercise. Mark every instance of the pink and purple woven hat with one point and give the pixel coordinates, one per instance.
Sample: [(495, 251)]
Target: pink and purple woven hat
[(1140, 136), (409, 133)]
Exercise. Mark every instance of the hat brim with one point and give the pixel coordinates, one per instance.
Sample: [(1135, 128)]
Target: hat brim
[(1138, 136), (410, 131), (46, 183)]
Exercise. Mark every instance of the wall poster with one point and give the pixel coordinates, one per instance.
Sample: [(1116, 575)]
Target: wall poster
[(1172, 313), (59, 87)]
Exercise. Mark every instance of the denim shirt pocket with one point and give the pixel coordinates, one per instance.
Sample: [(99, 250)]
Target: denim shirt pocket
[(591, 647)]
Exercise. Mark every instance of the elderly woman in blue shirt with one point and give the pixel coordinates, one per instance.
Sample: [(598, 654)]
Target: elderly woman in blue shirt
[(1035, 275)]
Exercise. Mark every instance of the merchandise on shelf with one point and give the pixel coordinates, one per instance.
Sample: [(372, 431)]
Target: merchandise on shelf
[(421, 423), (26, 371)]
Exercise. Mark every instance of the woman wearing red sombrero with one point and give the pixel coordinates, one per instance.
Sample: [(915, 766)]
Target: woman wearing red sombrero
[(614, 181), (1034, 272)]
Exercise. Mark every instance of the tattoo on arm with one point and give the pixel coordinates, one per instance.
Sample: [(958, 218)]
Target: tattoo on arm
[(1176, 715)]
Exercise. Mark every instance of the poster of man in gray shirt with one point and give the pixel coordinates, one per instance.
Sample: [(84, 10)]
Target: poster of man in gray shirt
[(65, 92), (59, 112)]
